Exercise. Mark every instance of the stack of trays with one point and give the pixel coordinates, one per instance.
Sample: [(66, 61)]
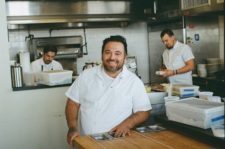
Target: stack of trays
[(185, 90)]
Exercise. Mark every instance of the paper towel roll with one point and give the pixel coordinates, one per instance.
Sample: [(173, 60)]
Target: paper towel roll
[(25, 61)]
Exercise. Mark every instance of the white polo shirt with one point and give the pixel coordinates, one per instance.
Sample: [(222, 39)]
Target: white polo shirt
[(174, 59), (103, 108), (39, 65)]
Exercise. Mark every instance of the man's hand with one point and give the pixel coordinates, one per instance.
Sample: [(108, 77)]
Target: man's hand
[(121, 130), (167, 73), (134, 120), (71, 135), (72, 109)]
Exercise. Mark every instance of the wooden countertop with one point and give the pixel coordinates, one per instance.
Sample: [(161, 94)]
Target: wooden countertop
[(160, 140), (205, 135)]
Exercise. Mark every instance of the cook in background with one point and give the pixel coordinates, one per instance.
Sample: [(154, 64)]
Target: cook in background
[(107, 97), (178, 59), (46, 62)]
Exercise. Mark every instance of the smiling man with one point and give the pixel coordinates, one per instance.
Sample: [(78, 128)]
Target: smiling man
[(107, 98)]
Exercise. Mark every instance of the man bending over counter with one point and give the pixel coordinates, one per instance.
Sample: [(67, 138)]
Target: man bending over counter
[(108, 97), (178, 59)]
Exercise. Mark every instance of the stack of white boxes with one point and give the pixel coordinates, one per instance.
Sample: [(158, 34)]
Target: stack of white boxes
[(185, 90)]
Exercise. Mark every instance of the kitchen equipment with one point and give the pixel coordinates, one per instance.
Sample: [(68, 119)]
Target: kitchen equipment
[(149, 129), (105, 136), (88, 65), (157, 97), (17, 75), (131, 64), (205, 95)]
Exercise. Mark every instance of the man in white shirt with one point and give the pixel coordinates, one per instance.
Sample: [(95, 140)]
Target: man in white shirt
[(46, 62), (178, 59), (108, 97)]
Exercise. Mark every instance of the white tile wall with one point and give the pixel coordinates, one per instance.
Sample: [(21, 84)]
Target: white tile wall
[(221, 36)]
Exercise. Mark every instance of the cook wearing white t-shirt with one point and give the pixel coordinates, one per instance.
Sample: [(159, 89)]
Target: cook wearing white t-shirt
[(178, 60)]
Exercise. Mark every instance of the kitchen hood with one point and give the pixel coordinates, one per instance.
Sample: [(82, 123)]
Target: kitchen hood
[(206, 7), (21, 12)]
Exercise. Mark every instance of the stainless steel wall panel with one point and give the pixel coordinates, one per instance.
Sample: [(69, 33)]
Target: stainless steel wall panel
[(28, 12), (208, 30)]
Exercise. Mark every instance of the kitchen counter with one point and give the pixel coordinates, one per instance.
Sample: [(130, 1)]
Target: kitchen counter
[(39, 86), (205, 135), (163, 139)]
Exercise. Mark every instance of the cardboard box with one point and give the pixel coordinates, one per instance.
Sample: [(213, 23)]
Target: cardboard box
[(196, 112), (54, 77)]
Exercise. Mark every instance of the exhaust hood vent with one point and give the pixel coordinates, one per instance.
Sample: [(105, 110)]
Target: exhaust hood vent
[(164, 11), (68, 11), (206, 7)]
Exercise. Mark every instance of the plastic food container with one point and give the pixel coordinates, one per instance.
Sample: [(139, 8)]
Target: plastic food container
[(196, 112), (171, 98), (54, 77), (218, 130), (205, 95)]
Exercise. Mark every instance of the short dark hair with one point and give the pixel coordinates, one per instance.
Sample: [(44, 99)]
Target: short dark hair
[(51, 49), (167, 31), (116, 38)]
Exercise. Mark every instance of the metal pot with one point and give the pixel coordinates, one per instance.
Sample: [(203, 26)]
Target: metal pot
[(17, 75)]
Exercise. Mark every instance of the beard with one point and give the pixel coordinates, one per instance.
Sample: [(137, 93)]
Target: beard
[(169, 47), (112, 69), (47, 61)]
